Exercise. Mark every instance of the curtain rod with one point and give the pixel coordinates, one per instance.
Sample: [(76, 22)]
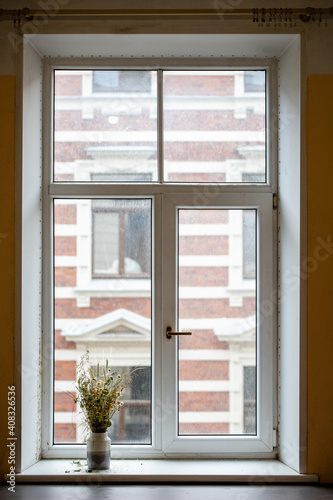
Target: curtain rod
[(258, 15)]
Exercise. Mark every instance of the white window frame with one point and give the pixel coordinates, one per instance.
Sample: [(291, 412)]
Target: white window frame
[(260, 446)]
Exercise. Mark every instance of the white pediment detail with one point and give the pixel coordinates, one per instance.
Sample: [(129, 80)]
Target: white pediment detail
[(236, 329), (120, 325)]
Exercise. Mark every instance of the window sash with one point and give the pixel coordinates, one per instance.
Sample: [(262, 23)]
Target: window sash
[(212, 445)]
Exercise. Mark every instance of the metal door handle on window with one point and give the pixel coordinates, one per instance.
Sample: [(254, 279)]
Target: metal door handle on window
[(169, 333)]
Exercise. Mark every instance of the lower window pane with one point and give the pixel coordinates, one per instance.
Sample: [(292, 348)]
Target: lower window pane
[(217, 302), (108, 315)]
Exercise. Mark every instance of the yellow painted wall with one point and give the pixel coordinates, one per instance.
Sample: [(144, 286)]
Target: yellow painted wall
[(7, 253), (319, 128)]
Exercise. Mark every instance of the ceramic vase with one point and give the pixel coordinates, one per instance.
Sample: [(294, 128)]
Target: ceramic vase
[(98, 451)]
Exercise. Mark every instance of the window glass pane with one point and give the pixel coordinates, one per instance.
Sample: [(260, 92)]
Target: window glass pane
[(217, 396), (109, 317), (105, 122), (214, 131)]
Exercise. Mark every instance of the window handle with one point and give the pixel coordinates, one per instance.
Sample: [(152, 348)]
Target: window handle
[(169, 333)]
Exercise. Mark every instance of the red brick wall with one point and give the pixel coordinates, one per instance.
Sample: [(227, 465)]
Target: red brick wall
[(65, 370), (214, 85), (203, 216), (64, 214), (203, 370), (66, 308), (203, 276), (203, 151), (197, 120), (173, 151), (64, 401), (215, 308), (68, 85), (64, 433), (203, 401), (70, 151), (203, 245), (73, 120), (65, 276), (61, 342), (205, 428), (202, 339), (63, 177), (208, 177)]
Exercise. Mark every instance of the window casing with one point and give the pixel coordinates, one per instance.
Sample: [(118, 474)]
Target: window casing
[(167, 200)]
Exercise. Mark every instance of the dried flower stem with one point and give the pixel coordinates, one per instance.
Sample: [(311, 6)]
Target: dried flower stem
[(99, 393)]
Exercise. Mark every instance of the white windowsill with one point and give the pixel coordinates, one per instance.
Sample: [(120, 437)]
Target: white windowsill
[(159, 471)]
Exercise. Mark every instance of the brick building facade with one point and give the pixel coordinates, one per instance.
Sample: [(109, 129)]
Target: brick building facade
[(106, 131)]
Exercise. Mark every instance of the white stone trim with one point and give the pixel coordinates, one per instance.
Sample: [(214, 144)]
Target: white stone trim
[(68, 292), (195, 167), (64, 386), (65, 261), (209, 386), (169, 136), (210, 292), (65, 355), (204, 260), (66, 230), (203, 354), (66, 417), (204, 229), (64, 323), (210, 417)]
